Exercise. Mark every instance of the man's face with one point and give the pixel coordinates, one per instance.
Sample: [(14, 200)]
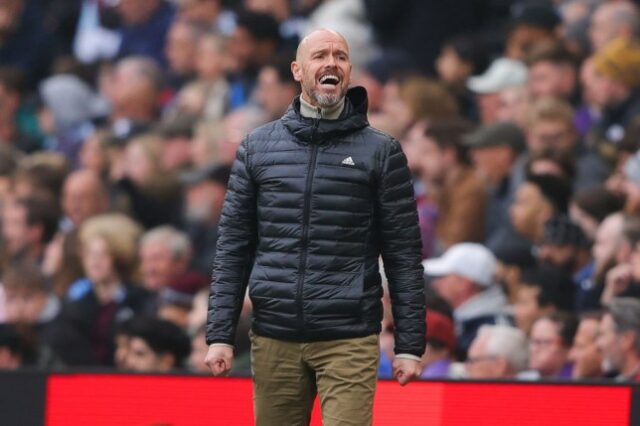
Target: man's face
[(323, 68), (432, 160), (176, 153), (562, 256), (180, 48), (546, 353), (585, 355), (489, 107), (451, 288), (548, 79), (554, 134), (157, 265), (141, 358), (610, 345)]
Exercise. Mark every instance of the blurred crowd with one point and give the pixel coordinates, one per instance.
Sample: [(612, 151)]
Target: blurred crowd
[(520, 120)]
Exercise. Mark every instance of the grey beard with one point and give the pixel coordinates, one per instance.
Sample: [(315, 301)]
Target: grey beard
[(327, 101)]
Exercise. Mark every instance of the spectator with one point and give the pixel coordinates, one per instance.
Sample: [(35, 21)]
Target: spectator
[(176, 134), (276, 87), (613, 91), (204, 195), (495, 150), (613, 20), (211, 63), (533, 23), (156, 346), (552, 72), (619, 339), (464, 277), (69, 107), (28, 224), (549, 345), (208, 135), (97, 303), (584, 354), (207, 13), (135, 94), (564, 245), (181, 52), (497, 352), (253, 43), (551, 126), (165, 255), (609, 240), (541, 291), (152, 193), (145, 27), (502, 74), (461, 198), (176, 300), (83, 196)]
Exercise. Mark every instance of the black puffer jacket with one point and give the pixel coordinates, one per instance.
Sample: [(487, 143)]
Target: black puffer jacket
[(310, 206)]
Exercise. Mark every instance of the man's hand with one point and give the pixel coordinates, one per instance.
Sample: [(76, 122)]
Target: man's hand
[(219, 359), (405, 370)]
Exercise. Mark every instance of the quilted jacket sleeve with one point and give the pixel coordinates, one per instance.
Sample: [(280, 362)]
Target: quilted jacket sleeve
[(400, 246), (234, 254)]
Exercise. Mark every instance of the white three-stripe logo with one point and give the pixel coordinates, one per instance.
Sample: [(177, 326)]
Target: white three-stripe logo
[(348, 161)]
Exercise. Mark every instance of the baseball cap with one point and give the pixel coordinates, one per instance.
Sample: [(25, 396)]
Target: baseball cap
[(470, 260), (501, 74), (499, 134)]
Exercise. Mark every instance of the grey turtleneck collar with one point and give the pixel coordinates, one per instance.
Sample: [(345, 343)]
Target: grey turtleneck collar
[(310, 111)]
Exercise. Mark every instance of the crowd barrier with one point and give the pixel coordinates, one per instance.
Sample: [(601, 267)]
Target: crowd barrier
[(36, 398)]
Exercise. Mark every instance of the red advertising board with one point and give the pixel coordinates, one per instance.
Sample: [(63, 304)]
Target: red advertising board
[(101, 399)]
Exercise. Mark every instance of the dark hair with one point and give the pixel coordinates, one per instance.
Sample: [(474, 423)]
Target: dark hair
[(567, 324), (162, 337), (551, 51), (598, 202), (447, 133), (261, 26), (556, 287), (282, 66), (556, 190), (41, 209), (470, 49), (564, 160)]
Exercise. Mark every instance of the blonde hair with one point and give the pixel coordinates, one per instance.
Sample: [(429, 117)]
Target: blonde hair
[(550, 109), (121, 234)]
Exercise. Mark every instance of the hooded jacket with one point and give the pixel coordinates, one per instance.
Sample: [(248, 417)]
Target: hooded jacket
[(310, 206)]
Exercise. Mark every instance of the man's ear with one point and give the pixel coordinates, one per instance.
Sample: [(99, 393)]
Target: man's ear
[(296, 70)]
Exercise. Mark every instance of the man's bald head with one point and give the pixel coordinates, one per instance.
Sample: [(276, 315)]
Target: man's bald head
[(303, 47), (322, 68)]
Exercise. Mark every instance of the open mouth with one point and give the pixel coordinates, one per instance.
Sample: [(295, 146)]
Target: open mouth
[(329, 79)]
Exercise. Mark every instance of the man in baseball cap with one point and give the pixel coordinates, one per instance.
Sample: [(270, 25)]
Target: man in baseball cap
[(464, 277)]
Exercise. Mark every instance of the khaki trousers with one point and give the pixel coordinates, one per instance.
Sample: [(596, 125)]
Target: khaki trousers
[(287, 376)]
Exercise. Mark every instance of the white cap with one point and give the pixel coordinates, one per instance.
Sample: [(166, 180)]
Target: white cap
[(469, 260), (501, 74)]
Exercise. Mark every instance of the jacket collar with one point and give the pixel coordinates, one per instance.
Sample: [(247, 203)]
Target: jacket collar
[(318, 130)]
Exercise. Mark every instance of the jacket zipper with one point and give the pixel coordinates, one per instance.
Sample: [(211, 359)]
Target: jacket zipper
[(305, 223)]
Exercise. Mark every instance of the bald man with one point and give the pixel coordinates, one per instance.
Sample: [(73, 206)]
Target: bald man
[(613, 20), (313, 200)]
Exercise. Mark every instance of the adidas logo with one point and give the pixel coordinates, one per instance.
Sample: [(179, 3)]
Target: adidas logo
[(348, 162)]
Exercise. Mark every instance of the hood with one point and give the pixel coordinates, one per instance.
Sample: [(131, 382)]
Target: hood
[(353, 118), (491, 301), (71, 101)]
